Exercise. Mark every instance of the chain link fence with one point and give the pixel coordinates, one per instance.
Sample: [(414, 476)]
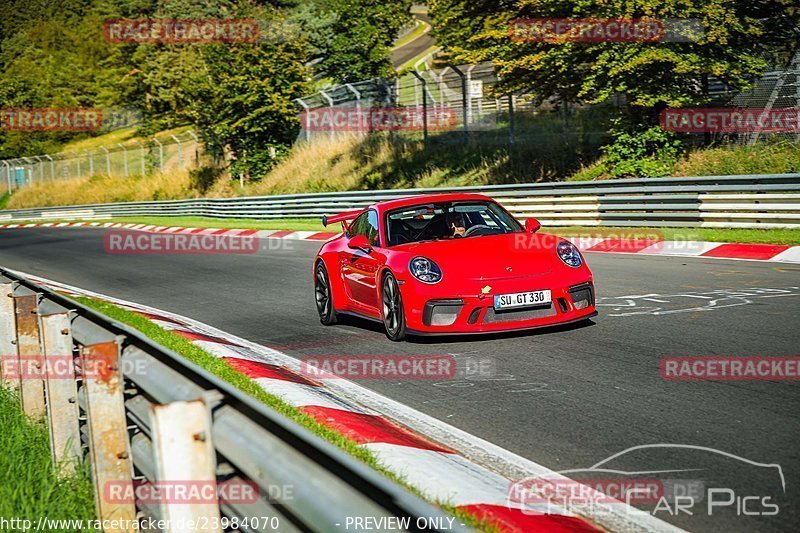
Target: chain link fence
[(456, 103), (462, 104), (166, 153)]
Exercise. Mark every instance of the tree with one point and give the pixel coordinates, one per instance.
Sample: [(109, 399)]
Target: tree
[(739, 37), (352, 39)]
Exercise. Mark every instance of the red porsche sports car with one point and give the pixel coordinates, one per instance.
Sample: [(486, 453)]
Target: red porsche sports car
[(449, 264)]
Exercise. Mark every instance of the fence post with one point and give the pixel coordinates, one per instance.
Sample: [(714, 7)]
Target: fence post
[(184, 452), (160, 154), (29, 348), (61, 390), (124, 159), (41, 168), (179, 149), (91, 163), (469, 92), (424, 103), (144, 156), (8, 175), (330, 105), (305, 106), (196, 147), (108, 433), (511, 124), (464, 106), (8, 334), (358, 104), (29, 170), (52, 168), (108, 160)]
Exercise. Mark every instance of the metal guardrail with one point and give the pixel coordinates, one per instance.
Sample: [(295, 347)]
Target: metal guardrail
[(756, 201), (147, 415)]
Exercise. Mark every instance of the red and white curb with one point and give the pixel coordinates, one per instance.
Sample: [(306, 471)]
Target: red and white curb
[(434, 457), (259, 234), (717, 250)]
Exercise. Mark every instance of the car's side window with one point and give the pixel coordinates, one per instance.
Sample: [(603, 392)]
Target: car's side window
[(358, 226), (372, 227)]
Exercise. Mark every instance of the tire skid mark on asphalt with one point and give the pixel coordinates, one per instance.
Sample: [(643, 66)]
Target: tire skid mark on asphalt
[(712, 300)]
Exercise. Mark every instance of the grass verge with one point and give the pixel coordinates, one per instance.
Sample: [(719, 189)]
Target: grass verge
[(30, 489), (735, 235), (222, 370)]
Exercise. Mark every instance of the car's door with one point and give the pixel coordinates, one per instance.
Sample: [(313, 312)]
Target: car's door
[(360, 267)]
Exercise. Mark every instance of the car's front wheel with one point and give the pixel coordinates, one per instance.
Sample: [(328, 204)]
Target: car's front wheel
[(322, 294), (394, 318)]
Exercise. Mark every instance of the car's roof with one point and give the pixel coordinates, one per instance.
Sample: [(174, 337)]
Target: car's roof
[(426, 199)]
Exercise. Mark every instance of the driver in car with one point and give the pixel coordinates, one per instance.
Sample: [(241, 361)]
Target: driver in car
[(457, 224)]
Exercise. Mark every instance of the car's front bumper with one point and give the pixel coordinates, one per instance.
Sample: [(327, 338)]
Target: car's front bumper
[(428, 313)]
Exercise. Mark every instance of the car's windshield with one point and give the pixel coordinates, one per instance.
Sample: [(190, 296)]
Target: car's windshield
[(447, 220)]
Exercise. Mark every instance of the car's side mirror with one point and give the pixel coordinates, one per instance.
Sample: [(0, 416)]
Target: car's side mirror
[(532, 225), (360, 242)]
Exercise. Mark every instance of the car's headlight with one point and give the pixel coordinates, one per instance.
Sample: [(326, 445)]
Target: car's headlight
[(569, 253), (425, 270)]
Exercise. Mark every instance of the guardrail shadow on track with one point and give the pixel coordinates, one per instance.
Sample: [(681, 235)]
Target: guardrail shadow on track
[(142, 415)]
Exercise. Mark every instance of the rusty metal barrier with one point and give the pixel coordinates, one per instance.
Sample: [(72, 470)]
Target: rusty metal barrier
[(141, 415)]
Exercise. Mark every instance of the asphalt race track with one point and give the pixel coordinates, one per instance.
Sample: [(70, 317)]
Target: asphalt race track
[(566, 398)]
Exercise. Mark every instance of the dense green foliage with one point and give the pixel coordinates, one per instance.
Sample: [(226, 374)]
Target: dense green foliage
[(739, 40), (351, 39), (238, 96)]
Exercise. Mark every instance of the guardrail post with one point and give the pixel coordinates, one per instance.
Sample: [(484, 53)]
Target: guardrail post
[(8, 335), (108, 433), (184, 453), (60, 389), (29, 348)]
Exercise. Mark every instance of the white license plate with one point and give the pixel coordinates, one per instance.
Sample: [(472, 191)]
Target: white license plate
[(521, 299)]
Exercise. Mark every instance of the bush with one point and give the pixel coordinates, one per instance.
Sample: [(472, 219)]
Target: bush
[(642, 153), (204, 177)]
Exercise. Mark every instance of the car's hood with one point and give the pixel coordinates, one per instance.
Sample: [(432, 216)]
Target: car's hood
[(506, 256)]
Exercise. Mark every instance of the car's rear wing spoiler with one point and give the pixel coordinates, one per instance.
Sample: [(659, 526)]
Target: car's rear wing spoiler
[(341, 217)]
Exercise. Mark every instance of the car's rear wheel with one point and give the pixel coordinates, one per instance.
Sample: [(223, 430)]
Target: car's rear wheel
[(322, 294), (394, 318)]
